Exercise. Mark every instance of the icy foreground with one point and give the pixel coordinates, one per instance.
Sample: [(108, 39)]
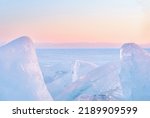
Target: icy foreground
[(128, 79), (73, 76), (102, 83), (135, 72), (20, 75)]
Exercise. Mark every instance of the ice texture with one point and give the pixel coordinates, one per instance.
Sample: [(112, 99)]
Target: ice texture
[(135, 72), (127, 79), (80, 68), (73, 76), (20, 74), (101, 81), (60, 78)]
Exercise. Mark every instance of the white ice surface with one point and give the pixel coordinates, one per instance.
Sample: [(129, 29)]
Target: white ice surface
[(20, 75), (73, 76), (135, 72), (102, 81), (127, 79), (80, 68)]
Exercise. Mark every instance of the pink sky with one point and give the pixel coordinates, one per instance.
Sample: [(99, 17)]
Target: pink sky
[(76, 22)]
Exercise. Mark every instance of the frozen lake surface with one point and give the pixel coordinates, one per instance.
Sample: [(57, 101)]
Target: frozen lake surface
[(27, 73), (64, 69), (61, 67)]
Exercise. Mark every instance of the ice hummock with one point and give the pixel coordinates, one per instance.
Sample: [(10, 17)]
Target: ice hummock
[(20, 74), (65, 75), (135, 72), (128, 79), (22, 79), (101, 81)]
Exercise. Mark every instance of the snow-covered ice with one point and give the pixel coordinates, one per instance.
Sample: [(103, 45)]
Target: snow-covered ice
[(20, 75)]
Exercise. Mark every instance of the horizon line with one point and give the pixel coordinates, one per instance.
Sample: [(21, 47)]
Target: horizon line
[(84, 45)]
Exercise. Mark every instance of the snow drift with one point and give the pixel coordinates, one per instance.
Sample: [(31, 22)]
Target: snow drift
[(135, 72), (20, 75)]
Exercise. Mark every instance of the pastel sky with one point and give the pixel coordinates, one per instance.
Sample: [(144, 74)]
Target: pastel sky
[(62, 21)]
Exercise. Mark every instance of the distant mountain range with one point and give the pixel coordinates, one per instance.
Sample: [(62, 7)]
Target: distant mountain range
[(83, 45), (77, 45)]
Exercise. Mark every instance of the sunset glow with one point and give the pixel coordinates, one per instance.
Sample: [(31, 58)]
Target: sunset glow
[(76, 21)]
